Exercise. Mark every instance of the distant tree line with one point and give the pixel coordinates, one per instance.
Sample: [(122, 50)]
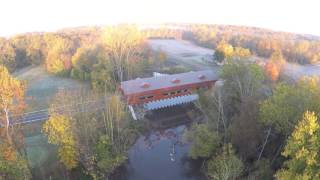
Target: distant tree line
[(59, 51), (99, 55), (295, 48)]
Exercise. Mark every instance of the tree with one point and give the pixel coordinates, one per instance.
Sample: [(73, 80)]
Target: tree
[(302, 150), (274, 65), (12, 164), (30, 49), (241, 52), (272, 71), (242, 79), (205, 142), (59, 131), (83, 61), (102, 77), (287, 104), (262, 170), (11, 99), (124, 45), (107, 157), (223, 51), (89, 134), (277, 58), (60, 50), (7, 55), (115, 119), (245, 130), (161, 57), (225, 166)]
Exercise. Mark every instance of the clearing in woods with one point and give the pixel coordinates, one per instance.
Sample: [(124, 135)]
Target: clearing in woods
[(185, 53), (42, 86)]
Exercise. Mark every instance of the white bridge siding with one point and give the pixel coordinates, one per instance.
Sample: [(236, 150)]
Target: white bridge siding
[(170, 102)]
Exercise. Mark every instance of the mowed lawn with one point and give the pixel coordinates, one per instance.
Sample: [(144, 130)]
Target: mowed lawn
[(42, 86)]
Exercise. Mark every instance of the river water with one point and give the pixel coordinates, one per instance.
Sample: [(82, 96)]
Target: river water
[(161, 155)]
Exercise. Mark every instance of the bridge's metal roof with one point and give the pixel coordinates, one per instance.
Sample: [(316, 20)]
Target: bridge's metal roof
[(140, 85)]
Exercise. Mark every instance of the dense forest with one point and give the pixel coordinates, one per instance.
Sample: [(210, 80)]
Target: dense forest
[(258, 125)]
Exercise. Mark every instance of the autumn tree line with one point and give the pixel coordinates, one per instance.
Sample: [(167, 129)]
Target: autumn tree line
[(302, 49), (88, 54), (295, 48), (65, 52)]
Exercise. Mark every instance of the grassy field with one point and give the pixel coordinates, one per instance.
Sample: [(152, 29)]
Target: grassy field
[(184, 53), (42, 86)]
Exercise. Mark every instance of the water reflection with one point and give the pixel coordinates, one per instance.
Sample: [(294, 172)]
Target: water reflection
[(161, 154)]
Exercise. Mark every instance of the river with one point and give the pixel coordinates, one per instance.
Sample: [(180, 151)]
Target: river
[(161, 155)]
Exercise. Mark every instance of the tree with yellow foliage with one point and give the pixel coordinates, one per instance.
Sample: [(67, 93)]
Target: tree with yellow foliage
[(223, 51), (241, 52), (12, 163), (7, 54), (302, 151), (161, 57), (59, 52), (11, 98), (58, 130), (124, 44)]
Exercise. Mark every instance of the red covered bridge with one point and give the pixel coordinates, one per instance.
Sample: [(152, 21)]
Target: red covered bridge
[(155, 92)]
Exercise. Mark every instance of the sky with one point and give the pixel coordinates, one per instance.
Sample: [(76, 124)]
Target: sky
[(19, 16)]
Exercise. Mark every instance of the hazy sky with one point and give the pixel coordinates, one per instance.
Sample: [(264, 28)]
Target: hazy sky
[(18, 16)]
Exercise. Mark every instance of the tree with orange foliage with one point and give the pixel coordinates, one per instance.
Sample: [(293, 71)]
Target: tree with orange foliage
[(274, 65), (12, 163), (272, 71), (11, 99)]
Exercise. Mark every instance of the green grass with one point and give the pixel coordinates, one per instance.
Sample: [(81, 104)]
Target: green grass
[(38, 150), (42, 86)]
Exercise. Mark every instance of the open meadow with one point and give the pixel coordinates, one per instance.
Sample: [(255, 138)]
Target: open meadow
[(42, 86)]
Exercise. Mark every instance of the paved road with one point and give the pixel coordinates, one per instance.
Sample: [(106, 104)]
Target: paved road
[(44, 114)]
